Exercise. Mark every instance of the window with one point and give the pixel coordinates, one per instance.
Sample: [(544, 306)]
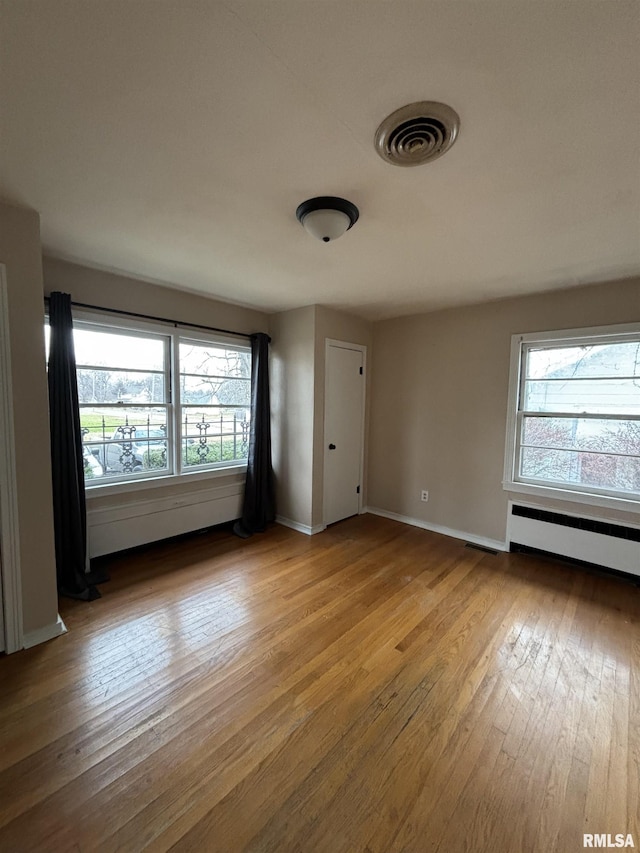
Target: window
[(574, 420), (155, 403)]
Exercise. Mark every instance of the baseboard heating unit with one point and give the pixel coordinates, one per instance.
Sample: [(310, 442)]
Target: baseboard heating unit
[(612, 545)]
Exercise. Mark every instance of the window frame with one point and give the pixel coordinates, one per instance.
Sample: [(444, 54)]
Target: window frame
[(174, 334), (512, 482)]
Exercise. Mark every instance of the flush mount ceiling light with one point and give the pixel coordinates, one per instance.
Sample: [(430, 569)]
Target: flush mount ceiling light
[(417, 133), (326, 218)]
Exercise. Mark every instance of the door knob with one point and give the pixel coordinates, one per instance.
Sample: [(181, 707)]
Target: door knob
[(332, 447)]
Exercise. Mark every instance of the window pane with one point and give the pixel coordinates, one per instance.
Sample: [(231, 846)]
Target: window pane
[(573, 468), (122, 442), (599, 360), (214, 435), (596, 396), (214, 361), (120, 386), (539, 464), (117, 350), (606, 436), (204, 390)]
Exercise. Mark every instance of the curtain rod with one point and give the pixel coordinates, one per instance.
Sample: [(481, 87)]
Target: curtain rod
[(173, 323)]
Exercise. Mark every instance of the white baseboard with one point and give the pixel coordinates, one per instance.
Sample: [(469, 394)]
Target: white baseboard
[(494, 544), (41, 635), (301, 528)]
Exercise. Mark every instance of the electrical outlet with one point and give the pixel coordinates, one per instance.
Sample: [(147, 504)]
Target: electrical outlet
[(424, 495)]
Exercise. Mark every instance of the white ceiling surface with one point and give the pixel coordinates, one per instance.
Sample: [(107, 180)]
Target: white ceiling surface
[(174, 140)]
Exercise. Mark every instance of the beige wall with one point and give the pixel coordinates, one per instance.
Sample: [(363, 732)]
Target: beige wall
[(439, 402), (21, 254), (292, 411), (123, 293), (338, 326), (109, 290)]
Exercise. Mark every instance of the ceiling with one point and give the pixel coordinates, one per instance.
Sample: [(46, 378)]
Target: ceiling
[(173, 140)]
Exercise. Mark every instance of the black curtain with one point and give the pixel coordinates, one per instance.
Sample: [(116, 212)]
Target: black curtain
[(69, 507), (259, 493)]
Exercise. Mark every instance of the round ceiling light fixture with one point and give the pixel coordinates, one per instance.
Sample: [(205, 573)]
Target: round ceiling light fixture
[(326, 217), (417, 133)]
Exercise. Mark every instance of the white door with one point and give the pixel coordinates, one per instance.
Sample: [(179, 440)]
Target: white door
[(343, 430)]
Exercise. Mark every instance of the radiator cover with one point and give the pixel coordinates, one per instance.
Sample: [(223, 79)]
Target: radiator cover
[(612, 545), (138, 522)]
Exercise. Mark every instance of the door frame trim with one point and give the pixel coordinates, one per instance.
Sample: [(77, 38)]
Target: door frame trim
[(9, 528), (332, 342)]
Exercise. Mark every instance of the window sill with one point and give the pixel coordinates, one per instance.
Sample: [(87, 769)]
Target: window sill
[(160, 482), (552, 493)]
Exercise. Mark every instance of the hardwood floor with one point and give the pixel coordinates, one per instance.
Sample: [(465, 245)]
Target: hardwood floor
[(374, 688)]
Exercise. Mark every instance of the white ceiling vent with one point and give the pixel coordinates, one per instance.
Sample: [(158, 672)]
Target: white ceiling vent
[(417, 133)]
